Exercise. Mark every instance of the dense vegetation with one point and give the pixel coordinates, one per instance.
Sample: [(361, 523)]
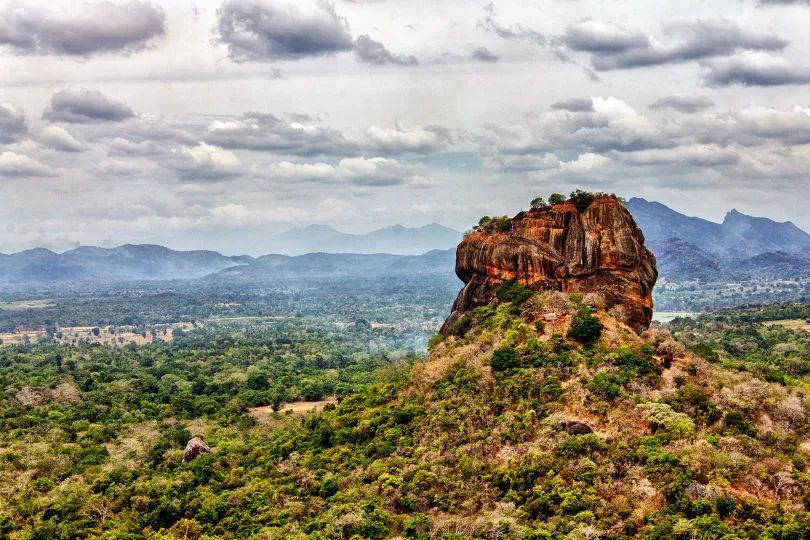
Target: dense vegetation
[(700, 433), (419, 299)]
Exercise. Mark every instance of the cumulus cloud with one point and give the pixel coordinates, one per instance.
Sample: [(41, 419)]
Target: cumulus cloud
[(482, 54), (516, 31), (14, 164), (602, 37), (270, 133), (612, 140), (784, 2), (83, 106), (400, 139), (754, 70), (373, 52), (614, 47), (118, 167), (684, 104), (371, 172), (13, 126), (59, 138), (123, 147), (574, 105), (270, 30), (85, 29), (203, 162)]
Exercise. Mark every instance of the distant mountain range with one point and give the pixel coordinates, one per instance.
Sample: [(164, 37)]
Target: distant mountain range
[(395, 240), (328, 253), (687, 249), (124, 263), (741, 247)]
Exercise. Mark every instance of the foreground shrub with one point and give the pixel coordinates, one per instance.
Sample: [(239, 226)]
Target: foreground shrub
[(504, 358), (585, 328)]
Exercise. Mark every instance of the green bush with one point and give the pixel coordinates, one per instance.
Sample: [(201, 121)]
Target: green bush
[(435, 340), (734, 421), (539, 202), (556, 198), (461, 326), (514, 292), (582, 199), (504, 358), (608, 385), (662, 417), (585, 328), (328, 488)]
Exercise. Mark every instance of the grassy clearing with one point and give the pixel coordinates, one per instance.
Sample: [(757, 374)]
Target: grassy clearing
[(791, 324)]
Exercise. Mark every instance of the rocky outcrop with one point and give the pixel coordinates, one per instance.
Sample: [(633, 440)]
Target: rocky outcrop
[(598, 249), (194, 448), (577, 428)]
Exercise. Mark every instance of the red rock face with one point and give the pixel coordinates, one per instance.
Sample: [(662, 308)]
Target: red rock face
[(600, 249)]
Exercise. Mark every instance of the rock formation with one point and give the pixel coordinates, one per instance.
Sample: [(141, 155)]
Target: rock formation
[(597, 249), (194, 448)]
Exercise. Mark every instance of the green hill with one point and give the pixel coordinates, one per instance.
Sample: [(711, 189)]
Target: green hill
[(511, 428)]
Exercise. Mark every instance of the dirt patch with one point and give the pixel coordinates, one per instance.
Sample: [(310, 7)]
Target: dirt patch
[(296, 407)]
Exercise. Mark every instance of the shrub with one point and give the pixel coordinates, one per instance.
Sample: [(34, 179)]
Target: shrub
[(328, 488), (435, 340), (606, 384), (670, 349), (539, 202), (461, 326), (556, 198), (582, 199), (662, 417), (504, 358), (585, 328), (737, 422), (514, 292)]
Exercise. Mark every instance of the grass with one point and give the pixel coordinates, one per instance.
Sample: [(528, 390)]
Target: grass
[(791, 324)]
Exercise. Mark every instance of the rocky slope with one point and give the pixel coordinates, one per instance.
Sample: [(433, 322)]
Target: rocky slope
[(599, 249)]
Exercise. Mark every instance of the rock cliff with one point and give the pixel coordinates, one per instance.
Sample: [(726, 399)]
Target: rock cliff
[(596, 249)]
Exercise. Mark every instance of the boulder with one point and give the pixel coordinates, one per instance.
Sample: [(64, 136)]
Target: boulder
[(577, 428), (194, 448), (598, 249)]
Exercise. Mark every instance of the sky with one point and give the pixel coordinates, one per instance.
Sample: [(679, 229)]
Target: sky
[(218, 124)]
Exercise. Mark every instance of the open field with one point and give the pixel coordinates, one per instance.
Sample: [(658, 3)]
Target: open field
[(791, 324), (122, 334), (26, 304), (263, 414)]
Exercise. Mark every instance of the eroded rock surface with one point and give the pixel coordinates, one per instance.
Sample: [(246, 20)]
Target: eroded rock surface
[(599, 249)]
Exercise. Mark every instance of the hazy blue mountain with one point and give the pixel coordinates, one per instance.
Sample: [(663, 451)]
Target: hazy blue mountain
[(679, 260), (691, 248), (342, 265), (738, 236), (129, 262), (396, 240)]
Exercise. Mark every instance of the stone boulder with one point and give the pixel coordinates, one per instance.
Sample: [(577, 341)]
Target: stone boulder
[(599, 249), (194, 448)]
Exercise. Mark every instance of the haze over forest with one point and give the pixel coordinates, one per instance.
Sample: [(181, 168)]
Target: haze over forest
[(221, 123)]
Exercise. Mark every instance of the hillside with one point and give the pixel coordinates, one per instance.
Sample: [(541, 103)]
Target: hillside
[(509, 429), (536, 414)]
